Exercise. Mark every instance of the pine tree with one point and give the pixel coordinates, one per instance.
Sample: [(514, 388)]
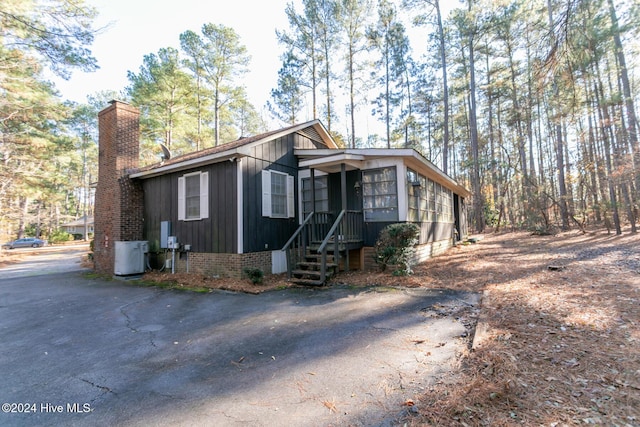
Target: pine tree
[(163, 92), (288, 97)]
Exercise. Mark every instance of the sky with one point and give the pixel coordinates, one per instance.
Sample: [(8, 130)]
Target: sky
[(132, 29)]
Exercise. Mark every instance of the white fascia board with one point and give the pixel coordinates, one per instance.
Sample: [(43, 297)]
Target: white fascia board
[(306, 173), (230, 155), (382, 162), (437, 175), (384, 152), (315, 153), (334, 159), (316, 124)]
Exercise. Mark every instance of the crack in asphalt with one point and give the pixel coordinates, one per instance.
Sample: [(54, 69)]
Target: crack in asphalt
[(98, 386), (129, 321), (128, 324), (122, 309)]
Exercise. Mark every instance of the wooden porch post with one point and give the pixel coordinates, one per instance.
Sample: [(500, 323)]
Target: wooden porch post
[(343, 185), (313, 205), (313, 190), (343, 189)]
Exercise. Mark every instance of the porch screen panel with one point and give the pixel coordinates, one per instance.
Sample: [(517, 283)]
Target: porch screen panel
[(424, 200), (414, 195), (420, 191), (439, 211), (431, 191), (447, 205), (380, 194), (418, 194)]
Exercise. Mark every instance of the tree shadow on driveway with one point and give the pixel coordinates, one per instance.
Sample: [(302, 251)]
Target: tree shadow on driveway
[(143, 356)]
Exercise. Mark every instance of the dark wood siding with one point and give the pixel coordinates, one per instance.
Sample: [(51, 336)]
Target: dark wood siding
[(354, 201), (160, 204), (429, 231), (216, 234), (263, 233)]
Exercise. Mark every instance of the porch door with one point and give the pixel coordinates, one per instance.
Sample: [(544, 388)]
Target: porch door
[(322, 219), (456, 218), (353, 191)]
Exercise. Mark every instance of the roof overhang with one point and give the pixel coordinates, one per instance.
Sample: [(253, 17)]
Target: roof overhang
[(229, 155), (233, 154), (330, 161)]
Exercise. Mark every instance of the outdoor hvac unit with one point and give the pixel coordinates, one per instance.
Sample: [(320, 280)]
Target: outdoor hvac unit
[(130, 257)]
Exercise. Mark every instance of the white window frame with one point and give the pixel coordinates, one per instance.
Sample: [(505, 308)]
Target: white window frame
[(204, 196), (383, 206), (267, 200)]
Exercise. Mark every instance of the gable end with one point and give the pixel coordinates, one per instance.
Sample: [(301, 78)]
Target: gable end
[(311, 133)]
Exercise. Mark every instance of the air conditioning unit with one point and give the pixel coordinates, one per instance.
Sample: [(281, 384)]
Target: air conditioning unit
[(130, 257)]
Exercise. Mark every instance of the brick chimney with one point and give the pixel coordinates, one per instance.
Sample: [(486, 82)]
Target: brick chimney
[(119, 204)]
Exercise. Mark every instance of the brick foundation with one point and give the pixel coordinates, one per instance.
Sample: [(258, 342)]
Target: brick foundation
[(223, 265)]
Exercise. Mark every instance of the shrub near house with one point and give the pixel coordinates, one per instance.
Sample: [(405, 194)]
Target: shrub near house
[(60, 236), (396, 247)]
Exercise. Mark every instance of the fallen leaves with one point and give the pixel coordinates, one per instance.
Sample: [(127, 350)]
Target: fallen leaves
[(199, 282), (560, 349)]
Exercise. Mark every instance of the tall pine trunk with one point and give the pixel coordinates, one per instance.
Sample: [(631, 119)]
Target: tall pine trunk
[(352, 89), (445, 91), (556, 119), (478, 199), (605, 121), (628, 96)]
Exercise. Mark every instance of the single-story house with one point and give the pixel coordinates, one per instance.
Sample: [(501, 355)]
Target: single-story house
[(270, 201), (79, 226)]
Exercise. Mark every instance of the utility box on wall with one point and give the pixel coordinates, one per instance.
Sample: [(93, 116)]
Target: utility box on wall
[(130, 257), (165, 232), (172, 243)]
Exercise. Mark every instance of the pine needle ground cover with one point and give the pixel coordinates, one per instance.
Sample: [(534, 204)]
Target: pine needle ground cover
[(559, 326), (561, 338)]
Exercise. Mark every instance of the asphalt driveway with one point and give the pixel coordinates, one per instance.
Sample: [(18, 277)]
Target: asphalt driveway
[(82, 351)]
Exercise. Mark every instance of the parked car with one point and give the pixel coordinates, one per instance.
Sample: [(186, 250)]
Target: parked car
[(26, 242)]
